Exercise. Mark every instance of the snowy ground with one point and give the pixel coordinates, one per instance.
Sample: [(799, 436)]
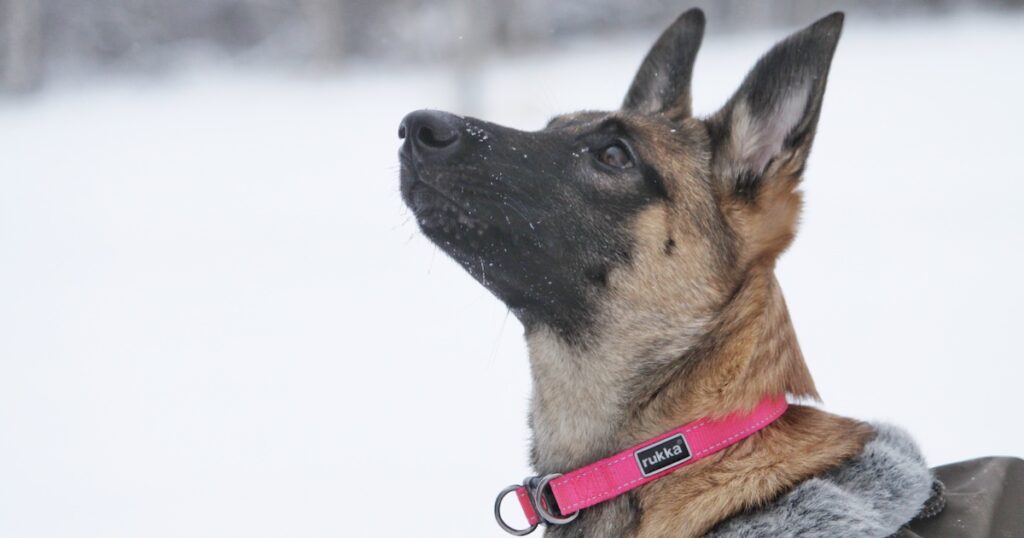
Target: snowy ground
[(218, 320)]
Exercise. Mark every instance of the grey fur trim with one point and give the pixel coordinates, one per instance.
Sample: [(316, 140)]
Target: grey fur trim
[(872, 495)]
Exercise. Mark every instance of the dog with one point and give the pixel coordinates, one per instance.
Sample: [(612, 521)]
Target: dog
[(637, 247)]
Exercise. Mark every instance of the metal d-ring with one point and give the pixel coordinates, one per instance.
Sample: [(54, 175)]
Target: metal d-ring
[(501, 522), (538, 504)]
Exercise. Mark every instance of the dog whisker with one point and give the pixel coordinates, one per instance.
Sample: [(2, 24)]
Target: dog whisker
[(497, 340)]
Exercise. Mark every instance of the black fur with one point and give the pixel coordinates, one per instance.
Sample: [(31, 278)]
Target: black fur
[(533, 216)]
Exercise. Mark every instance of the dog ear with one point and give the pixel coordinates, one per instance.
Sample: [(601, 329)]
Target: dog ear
[(761, 139), (662, 85), (767, 127)]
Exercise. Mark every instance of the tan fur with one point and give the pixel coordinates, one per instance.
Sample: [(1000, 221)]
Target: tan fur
[(768, 224)]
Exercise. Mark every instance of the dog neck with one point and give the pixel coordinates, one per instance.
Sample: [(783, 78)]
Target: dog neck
[(590, 402)]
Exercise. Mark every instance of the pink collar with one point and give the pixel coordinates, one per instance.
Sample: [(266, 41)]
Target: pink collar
[(633, 467)]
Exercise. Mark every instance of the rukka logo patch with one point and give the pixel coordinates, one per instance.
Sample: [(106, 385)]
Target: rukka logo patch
[(662, 455)]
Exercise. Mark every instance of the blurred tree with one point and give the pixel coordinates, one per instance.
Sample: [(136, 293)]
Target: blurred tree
[(326, 22), (475, 22), (21, 54)]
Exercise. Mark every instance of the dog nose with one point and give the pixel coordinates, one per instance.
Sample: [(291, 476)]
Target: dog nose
[(430, 133)]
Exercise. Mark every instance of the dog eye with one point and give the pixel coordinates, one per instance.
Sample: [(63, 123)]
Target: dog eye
[(615, 156)]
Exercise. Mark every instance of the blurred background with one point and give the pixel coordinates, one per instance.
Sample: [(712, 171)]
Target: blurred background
[(218, 319)]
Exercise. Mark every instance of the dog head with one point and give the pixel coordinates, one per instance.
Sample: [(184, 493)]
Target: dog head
[(644, 217)]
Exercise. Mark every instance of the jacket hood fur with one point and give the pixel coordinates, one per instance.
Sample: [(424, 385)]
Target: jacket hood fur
[(872, 495)]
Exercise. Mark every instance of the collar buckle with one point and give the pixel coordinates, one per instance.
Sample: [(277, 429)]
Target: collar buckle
[(535, 504), (541, 504)]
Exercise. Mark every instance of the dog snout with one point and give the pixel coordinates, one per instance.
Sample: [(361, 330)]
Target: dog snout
[(430, 134)]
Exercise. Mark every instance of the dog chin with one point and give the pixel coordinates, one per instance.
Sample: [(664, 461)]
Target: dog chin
[(445, 222)]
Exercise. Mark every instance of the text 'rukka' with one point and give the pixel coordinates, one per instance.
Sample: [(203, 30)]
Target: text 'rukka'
[(662, 455)]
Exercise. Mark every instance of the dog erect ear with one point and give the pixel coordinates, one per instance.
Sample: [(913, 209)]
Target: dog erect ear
[(766, 128), (662, 85), (761, 138)]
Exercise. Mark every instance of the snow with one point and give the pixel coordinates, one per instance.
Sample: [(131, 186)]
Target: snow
[(219, 320)]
